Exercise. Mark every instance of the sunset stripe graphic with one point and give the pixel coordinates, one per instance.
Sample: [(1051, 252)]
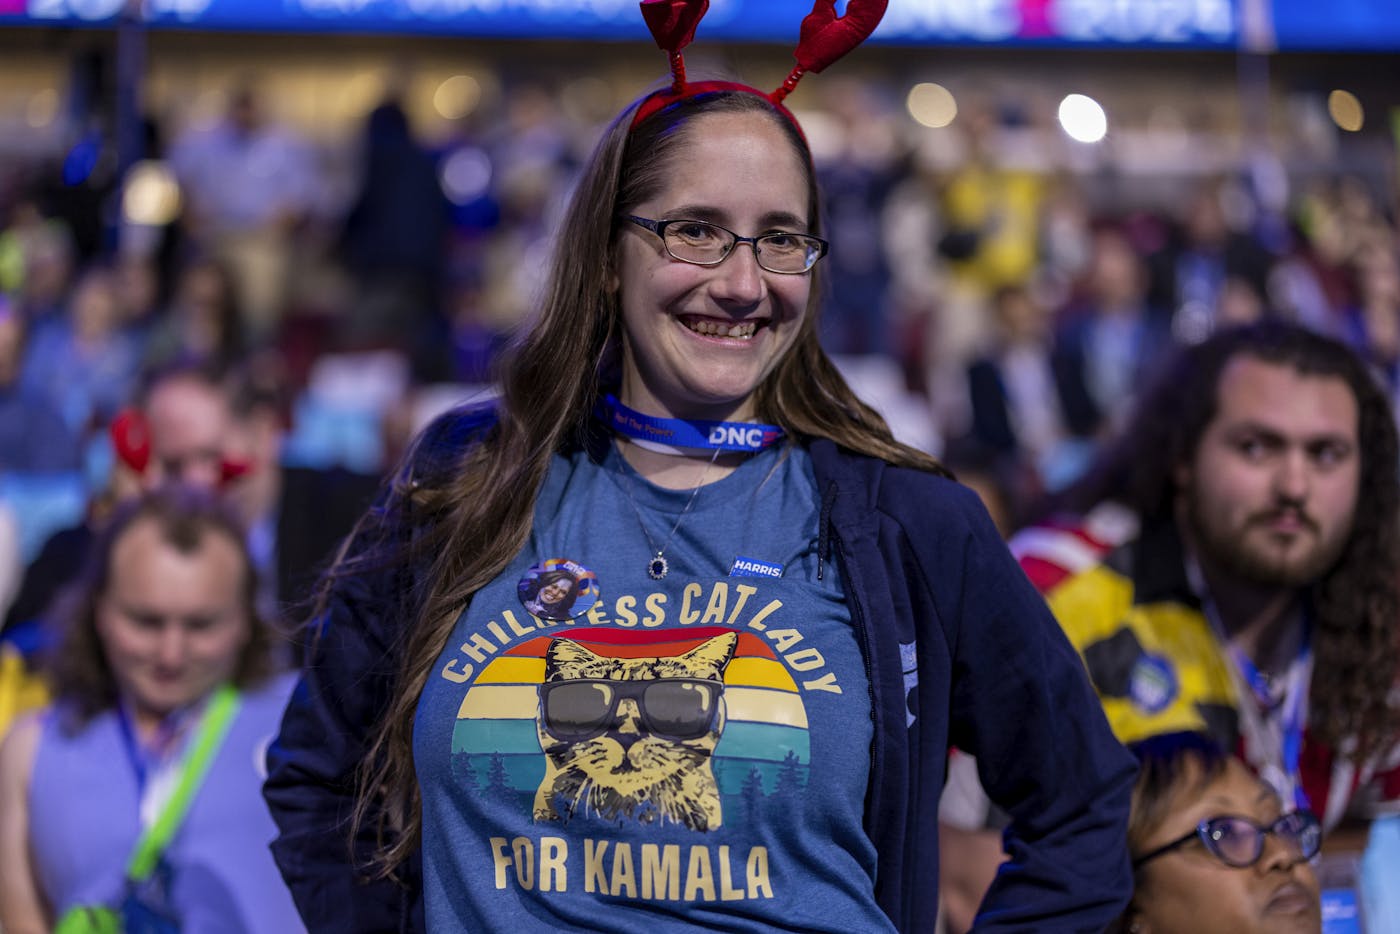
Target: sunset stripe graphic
[(765, 728)]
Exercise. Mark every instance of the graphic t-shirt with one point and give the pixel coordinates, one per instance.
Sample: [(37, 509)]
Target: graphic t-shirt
[(638, 755)]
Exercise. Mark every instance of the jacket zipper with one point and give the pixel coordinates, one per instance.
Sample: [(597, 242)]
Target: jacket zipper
[(826, 537), (828, 541)]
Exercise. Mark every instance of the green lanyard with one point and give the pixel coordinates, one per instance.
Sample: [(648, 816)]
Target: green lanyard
[(213, 727)]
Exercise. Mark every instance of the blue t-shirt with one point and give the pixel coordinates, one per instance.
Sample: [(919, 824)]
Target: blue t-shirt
[(687, 751)]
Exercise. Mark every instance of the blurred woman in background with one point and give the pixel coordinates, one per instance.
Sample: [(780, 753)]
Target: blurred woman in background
[(1214, 852)]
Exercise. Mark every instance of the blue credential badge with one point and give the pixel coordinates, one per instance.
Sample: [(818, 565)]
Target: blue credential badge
[(752, 567)]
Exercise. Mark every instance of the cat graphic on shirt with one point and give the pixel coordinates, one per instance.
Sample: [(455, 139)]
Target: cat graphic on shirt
[(627, 772)]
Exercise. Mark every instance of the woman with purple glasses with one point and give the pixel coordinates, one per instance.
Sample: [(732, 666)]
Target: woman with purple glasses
[(1213, 850)]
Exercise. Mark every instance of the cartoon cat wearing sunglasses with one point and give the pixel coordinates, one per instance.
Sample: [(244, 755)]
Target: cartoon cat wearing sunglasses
[(631, 739)]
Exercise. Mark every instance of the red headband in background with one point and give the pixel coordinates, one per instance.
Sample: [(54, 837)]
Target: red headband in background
[(823, 39), (130, 433)]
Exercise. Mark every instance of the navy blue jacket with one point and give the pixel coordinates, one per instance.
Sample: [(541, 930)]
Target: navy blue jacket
[(921, 563)]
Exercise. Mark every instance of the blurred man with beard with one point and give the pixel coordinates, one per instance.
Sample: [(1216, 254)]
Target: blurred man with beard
[(1257, 600)]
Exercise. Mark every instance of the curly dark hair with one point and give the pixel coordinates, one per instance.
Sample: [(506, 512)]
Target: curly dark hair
[(83, 682), (1356, 630)]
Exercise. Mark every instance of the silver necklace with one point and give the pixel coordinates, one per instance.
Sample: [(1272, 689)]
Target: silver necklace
[(658, 566)]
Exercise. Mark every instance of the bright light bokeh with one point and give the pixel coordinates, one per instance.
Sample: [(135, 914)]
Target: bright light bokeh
[(931, 105), (1346, 111), (1083, 118), (42, 109), (152, 196), (465, 175), (457, 97)]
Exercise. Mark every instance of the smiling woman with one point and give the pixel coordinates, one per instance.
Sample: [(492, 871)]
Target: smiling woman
[(699, 338), (730, 730)]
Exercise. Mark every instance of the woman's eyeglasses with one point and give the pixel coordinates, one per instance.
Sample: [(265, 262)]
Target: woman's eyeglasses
[(1239, 842), (706, 244)]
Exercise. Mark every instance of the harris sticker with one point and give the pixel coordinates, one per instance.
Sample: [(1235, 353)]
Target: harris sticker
[(558, 589)]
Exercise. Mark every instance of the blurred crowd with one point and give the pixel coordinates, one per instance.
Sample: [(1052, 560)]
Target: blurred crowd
[(998, 308)]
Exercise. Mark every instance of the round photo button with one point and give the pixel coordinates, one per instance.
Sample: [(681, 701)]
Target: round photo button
[(558, 589)]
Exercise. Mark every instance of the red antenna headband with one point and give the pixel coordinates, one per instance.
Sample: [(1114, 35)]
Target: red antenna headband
[(823, 39)]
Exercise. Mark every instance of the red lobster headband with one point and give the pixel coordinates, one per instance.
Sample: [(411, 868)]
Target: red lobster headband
[(824, 38)]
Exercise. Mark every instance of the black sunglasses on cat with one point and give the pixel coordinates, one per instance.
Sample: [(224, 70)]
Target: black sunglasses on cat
[(1238, 842), (673, 708)]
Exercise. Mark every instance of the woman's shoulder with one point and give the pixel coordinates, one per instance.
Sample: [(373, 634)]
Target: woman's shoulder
[(933, 512), (442, 441), (885, 486), (461, 424)]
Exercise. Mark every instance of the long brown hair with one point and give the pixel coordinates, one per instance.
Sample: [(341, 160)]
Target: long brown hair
[(468, 522), (83, 682), (1356, 635)]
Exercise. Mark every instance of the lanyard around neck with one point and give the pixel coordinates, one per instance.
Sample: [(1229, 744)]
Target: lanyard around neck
[(1262, 702), (673, 435), (140, 753), (213, 727)]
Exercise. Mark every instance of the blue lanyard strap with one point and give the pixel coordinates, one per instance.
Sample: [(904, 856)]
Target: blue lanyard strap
[(1293, 717), (1260, 685), (136, 751), (685, 433)]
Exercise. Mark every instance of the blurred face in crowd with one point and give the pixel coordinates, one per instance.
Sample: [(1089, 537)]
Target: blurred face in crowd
[(11, 344), (136, 288), (253, 448), (244, 112), (190, 422), (1190, 891), (1378, 277), (48, 269), (200, 300), (172, 623), (1205, 219), (1271, 491), (94, 307), (1238, 303), (1023, 320), (1116, 276), (700, 339)]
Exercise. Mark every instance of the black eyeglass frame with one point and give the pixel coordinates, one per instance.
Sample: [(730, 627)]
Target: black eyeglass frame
[(658, 227), (1310, 829)]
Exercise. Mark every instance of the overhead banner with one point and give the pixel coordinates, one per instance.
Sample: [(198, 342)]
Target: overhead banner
[(1180, 23), (1296, 24), (1324, 25)]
